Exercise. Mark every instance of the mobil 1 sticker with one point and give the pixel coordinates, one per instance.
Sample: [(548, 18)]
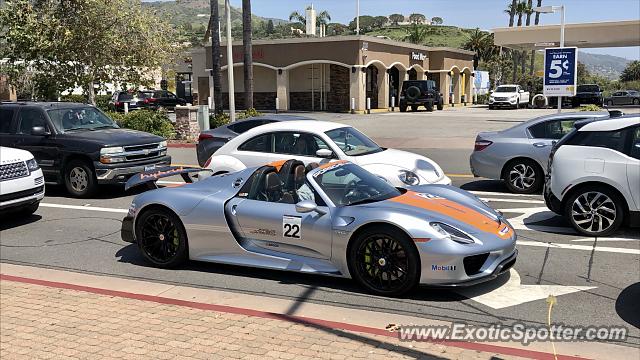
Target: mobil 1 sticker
[(292, 226)]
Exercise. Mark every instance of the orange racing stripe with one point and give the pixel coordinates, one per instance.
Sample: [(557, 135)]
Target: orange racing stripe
[(456, 211)]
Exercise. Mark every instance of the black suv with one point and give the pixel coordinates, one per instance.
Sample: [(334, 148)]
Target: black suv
[(420, 92), (78, 145), (158, 99), (588, 94)]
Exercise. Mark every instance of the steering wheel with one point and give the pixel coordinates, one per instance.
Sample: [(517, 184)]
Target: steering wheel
[(351, 186)]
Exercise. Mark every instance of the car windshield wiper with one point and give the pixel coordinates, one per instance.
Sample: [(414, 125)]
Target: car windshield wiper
[(104, 127), (77, 128)]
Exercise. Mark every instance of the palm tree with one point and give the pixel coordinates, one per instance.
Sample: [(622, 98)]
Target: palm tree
[(323, 18), (521, 10), (511, 10), (248, 54), (416, 34), (476, 43), (215, 56), (295, 16), (533, 52)]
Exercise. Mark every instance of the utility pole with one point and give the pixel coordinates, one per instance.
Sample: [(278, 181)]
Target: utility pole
[(232, 92)]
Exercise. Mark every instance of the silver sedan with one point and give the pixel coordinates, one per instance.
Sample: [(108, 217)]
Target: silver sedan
[(519, 155)]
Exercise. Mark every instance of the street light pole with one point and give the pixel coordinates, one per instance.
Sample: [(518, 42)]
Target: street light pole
[(357, 17), (561, 45), (232, 92)]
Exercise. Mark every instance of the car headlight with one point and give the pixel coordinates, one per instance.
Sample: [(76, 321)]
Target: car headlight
[(451, 233), (514, 96), (108, 155), (163, 144), (408, 177), (32, 165), (132, 210)]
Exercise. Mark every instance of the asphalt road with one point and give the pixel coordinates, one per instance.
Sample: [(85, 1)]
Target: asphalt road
[(597, 280)]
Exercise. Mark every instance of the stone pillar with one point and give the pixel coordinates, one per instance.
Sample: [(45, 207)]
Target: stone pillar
[(187, 127), (357, 89), (383, 89), (457, 90), (444, 87), (468, 85), (211, 94), (282, 89)]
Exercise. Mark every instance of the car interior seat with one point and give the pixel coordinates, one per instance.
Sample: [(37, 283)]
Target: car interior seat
[(292, 174), (273, 187), (311, 166), (257, 189)]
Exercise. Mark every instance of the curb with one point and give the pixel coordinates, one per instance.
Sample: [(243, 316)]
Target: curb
[(309, 321), (181, 145)]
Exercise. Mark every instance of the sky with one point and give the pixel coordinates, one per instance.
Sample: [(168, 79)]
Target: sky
[(485, 14)]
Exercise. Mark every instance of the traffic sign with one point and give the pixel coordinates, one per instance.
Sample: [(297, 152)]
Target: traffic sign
[(560, 71)]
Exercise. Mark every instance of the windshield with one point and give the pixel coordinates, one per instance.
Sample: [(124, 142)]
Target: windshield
[(352, 142), (505, 89), (348, 184), (80, 118), (588, 88)]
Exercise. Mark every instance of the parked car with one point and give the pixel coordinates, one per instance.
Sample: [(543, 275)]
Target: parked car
[(209, 141), (594, 176), (323, 141), (350, 224), (131, 99), (626, 97), (78, 145), (416, 93), (21, 181), (588, 94), (510, 96), (160, 99), (519, 155)]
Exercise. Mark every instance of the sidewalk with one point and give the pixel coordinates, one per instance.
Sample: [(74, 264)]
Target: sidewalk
[(57, 314)]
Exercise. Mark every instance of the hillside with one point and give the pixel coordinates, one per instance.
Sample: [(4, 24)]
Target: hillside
[(606, 65), (437, 35)]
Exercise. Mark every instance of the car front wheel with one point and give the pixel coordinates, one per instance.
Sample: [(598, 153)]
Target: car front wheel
[(161, 238), (595, 211), (523, 176), (429, 107), (384, 261), (80, 178)]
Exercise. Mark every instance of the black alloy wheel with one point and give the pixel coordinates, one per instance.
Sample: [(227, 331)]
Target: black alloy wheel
[(161, 238), (385, 262)]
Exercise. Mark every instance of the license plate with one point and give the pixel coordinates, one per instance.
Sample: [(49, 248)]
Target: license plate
[(149, 167), (133, 102)]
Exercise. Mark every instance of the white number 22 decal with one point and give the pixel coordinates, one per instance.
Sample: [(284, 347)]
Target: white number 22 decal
[(292, 227)]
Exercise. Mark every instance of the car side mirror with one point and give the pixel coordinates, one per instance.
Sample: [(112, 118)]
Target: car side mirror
[(307, 206), (491, 92), (324, 153), (38, 131), (521, 91)]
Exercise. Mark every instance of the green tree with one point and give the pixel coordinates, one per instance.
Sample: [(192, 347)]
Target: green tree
[(521, 9), (323, 18), (270, 28), (416, 34), (295, 16), (336, 29), (478, 42), (511, 10), (417, 18), (85, 42), (631, 72), (396, 18), (533, 51), (380, 21), (436, 20), (367, 23)]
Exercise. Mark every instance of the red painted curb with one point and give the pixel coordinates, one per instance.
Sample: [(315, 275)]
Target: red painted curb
[(181, 145), (532, 354)]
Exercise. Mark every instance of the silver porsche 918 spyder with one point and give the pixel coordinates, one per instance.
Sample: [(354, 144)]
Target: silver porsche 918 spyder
[(336, 219)]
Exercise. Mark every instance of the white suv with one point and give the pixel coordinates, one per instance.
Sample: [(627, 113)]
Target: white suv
[(21, 181), (594, 176)]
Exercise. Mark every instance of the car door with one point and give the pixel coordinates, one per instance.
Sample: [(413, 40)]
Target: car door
[(633, 166), (43, 147), (257, 151), (299, 145), (8, 137), (545, 134), (275, 226)]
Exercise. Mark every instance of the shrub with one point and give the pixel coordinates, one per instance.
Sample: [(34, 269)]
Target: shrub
[(102, 102), (218, 120), (74, 98), (248, 113), (483, 98), (154, 122), (590, 107)]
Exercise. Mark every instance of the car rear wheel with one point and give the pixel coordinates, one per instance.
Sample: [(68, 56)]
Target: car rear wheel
[(161, 238), (429, 107), (523, 176), (595, 211), (79, 178), (440, 105), (384, 261), (403, 107), (636, 101)]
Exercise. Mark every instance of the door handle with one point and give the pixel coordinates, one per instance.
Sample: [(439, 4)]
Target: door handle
[(539, 144), (233, 210)]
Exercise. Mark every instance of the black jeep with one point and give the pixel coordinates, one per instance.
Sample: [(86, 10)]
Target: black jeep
[(420, 92), (78, 145)]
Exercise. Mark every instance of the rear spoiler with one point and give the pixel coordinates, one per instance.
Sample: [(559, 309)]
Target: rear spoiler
[(150, 177)]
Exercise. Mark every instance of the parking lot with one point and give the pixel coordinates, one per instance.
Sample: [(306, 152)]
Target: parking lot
[(596, 280)]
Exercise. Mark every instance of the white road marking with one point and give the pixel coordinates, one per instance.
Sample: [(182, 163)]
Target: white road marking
[(523, 201), (578, 247), (491, 193), (513, 293), (89, 208), (606, 239)]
